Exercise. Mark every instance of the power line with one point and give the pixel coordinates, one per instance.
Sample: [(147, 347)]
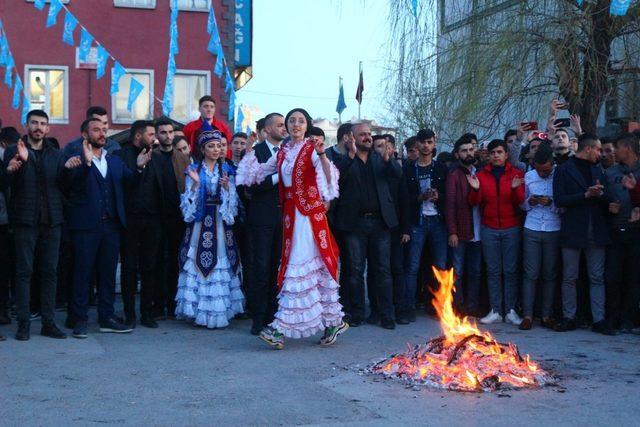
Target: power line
[(285, 95)]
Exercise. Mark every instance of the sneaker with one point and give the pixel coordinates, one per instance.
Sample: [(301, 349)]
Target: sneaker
[(513, 318), (272, 337), (35, 316), (603, 327), (24, 331), (492, 317), (52, 331), (331, 334), (80, 329), (113, 326)]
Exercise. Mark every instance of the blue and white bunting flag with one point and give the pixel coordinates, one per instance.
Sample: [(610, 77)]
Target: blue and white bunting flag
[(232, 106), (239, 120), (619, 7), (8, 71), (18, 90), (116, 74), (211, 22), (214, 43), (26, 107), (219, 67), (229, 85), (86, 40), (52, 16), (103, 55), (4, 50), (167, 100), (39, 4), (70, 24), (135, 88)]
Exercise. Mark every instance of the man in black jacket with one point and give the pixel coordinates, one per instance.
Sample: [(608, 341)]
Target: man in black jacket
[(366, 213), (34, 170), (264, 222), (142, 237)]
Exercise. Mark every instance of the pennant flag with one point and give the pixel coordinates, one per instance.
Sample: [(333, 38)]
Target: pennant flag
[(70, 24), (173, 43), (116, 74), (232, 106), (26, 107), (214, 43), (39, 4), (360, 88), (248, 130), (52, 16), (239, 120), (17, 93), (219, 67), (229, 86), (135, 88), (103, 55), (414, 8), (86, 40), (167, 100), (211, 22), (341, 104), (4, 50), (8, 71), (619, 7)]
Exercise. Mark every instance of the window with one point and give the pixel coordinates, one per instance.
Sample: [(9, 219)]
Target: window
[(189, 86), (48, 89), (142, 108), (143, 4), (194, 5)]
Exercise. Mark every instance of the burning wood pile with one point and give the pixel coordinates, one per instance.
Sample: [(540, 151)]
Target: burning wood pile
[(463, 358)]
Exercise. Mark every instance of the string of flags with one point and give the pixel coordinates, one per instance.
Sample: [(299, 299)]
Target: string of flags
[(616, 8), (167, 102), (8, 62), (221, 69)]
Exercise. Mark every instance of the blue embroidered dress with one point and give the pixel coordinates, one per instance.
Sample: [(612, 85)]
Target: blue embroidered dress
[(209, 285)]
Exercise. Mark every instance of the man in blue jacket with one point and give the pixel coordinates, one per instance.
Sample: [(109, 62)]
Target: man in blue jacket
[(577, 187), (96, 216)]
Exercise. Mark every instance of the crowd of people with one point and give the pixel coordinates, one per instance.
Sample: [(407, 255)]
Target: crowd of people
[(208, 226)]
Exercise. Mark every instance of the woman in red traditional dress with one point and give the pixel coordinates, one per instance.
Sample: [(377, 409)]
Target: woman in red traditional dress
[(307, 278)]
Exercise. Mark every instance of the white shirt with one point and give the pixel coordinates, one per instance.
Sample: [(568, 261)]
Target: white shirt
[(540, 218), (475, 210), (101, 162), (274, 151)]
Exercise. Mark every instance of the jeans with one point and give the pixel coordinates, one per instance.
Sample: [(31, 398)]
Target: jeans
[(501, 249), (623, 276), (467, 258), (36, 247), (431, 230), (595, 256), (540, 258), (371, 242)]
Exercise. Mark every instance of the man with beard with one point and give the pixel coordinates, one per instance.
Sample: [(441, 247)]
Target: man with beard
[(365, 213), (264, 222), (463, 227), (34, 169), (96, 218), (141, 239)]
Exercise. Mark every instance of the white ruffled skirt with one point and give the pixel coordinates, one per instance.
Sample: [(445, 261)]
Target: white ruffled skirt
[(210, 301), (308, 301)]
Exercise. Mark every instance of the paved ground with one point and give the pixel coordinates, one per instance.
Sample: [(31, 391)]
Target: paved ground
[(180, 375)]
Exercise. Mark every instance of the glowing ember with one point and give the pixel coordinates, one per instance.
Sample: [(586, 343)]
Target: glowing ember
[(463, 358)]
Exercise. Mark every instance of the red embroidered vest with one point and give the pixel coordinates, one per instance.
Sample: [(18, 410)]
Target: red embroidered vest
[(308, 200)]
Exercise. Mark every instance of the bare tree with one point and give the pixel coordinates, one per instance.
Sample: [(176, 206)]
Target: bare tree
[(489, 63)]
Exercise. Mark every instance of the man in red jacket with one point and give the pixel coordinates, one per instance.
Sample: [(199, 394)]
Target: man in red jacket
[(191, 130), (498, 190)]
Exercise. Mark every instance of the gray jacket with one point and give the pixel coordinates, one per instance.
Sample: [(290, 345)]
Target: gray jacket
[(615, 191)]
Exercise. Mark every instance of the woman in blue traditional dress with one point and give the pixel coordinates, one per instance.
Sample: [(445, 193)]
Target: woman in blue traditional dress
[(209, 291)]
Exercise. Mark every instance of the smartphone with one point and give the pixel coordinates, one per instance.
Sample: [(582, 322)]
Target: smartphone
[(529, 125), (562, 123)]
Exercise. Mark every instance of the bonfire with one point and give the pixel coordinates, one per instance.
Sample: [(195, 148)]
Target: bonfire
[(463, 358)]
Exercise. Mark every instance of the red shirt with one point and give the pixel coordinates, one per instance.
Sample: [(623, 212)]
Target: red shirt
[(499, 203), (192, 130)]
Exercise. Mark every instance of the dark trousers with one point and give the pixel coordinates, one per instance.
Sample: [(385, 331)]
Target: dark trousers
[(265, 248), (95, 250), (36, 246), (140, 251), (623, 276), (172, 236), (242, 236), (370, 242), (399, 255), (6, 263), (343, 292)]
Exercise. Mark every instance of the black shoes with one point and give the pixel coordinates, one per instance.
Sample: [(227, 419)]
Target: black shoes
[(355, 322), (402, 319), (129, 322), (603, 327), (70, 322), (52, 331), (411, 315), (388, 323), (80, 329), (148, 322), (24, 331), (566, 325), (4, 317), (373, 319), (115, 327)]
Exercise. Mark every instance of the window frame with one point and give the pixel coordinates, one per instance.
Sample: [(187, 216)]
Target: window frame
[(189, 9), (27, 83), (188, 72), (132, 6), (114, 116)]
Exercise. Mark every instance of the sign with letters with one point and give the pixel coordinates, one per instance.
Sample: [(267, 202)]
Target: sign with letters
[(243, 33)]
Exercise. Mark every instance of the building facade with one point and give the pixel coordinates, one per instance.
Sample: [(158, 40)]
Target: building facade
[(136, 33)]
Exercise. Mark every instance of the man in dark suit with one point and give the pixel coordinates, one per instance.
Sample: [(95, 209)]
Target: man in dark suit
[(264, 221), (577, 187), (141, 239), (366, 213), (96, 217)]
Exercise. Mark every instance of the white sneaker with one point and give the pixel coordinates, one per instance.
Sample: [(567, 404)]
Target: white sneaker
[(492, 317), (513, 318)]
